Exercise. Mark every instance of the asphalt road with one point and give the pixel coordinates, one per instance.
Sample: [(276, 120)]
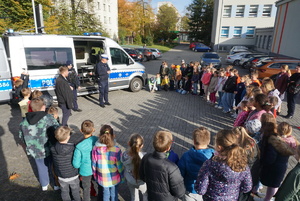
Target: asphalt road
[(142, 112)]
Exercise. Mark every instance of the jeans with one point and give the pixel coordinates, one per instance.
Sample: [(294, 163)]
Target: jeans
[(195, 87), (103, 90), (44, 168), (227, 101), (291, 105), (75, 105), (86, 185), (65, 189), (65, 114), (107, 193), (220, 93)]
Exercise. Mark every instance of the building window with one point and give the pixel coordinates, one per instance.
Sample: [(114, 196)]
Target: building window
[(227, 11), (253, 10), (269, 42), (105, 20), (98, 5), (108, 8), (240, 11), (104, 8), (267, 11), (237, 32), (264, 42), (109, 20), (225, 32), (256, 41), (250, 32), (259, 41)]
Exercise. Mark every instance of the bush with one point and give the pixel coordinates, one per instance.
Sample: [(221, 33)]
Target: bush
[(149, 40), (138, 40)]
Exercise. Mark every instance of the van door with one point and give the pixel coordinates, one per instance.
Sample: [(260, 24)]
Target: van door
[(5, 77), (121, 69)]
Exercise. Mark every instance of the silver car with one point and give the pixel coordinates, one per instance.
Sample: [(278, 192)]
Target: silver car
[(156, 54)]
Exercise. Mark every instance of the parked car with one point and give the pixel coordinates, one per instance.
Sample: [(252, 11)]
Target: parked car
[(253, 60), (135, 54), (200, 47), (236, 49), (155, 53), (269, 68), (235, 58), (246, 57), (193, 45), (211, 57), (146, 53)]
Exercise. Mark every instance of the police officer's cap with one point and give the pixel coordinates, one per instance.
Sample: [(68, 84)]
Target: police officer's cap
[(104, 56)]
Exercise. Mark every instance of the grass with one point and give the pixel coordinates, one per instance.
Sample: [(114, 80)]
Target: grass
[(162, 48)]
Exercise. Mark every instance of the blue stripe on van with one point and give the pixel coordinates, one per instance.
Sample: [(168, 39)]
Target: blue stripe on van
[(125, 74), (5, 85), (40, 83)]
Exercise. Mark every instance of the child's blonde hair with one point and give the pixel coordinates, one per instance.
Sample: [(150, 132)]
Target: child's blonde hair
[(62, 133), (235, 156), (136, 142), (162, 141), (18, 82), (36, 104), (25, 92), (284, 128), (36, 94), (53, 111), (201, 136)]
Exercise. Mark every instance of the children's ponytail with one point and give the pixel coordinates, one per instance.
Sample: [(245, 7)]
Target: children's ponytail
[(106, 136), (136, 142)]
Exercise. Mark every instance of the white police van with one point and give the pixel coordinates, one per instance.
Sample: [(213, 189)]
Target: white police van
[(41, 56)]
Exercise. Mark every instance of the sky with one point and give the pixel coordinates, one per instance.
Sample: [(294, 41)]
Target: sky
[(181, 5)]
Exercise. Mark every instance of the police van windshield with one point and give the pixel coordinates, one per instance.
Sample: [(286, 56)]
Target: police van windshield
[(47, 58)]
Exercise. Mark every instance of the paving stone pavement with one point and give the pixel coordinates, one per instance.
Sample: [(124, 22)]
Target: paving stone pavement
[(142, 112)]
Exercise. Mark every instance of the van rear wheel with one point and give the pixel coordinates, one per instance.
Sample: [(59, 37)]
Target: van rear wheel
[(135, 85)]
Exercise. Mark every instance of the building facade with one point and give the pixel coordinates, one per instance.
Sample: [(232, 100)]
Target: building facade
[(263, 39), (235, 22), (106, 11), (286, 40)]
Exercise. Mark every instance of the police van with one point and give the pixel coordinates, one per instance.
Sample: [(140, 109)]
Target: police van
[(41, 55)]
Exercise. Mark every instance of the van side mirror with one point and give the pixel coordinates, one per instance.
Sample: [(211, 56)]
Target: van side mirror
[(128, 61)]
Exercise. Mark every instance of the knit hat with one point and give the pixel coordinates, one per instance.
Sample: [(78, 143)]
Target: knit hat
[(253, 126)]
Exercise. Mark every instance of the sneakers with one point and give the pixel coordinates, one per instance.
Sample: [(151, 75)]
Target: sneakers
[(216, 106), (107, 103), (56, 188), (45, 188), (220, 107)]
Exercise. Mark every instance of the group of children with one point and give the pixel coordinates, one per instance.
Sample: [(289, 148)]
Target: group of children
[(240, 160)]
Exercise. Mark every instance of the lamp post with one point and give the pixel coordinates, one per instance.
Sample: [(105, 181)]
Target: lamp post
[(34, 16)]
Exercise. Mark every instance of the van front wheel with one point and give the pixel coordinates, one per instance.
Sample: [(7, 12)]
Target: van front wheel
[(135, 85)]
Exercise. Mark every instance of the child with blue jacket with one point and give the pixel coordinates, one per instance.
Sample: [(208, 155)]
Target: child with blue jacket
[(192, 160), (82, 158)]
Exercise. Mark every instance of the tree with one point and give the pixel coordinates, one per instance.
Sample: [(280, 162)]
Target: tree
[(167, 19), (201, 16), (18, 14), (184, 25)]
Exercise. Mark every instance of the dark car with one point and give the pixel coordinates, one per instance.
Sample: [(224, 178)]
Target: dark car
[(211, 58), (200, 47), (146, 53), (135, 54)]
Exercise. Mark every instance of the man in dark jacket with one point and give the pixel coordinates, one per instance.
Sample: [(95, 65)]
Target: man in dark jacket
[(102, 72), (64, 94), (62, 153), (229, 90), (74, 83), (163, 178)]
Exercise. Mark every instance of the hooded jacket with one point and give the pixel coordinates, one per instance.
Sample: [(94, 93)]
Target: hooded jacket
[(190, 164), (275, 154), (33, 132), (62, 159), (82, 158), (163, 178), (290, 188), (230, 84)]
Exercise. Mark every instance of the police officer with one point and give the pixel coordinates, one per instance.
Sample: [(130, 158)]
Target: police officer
[(102, 72)]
